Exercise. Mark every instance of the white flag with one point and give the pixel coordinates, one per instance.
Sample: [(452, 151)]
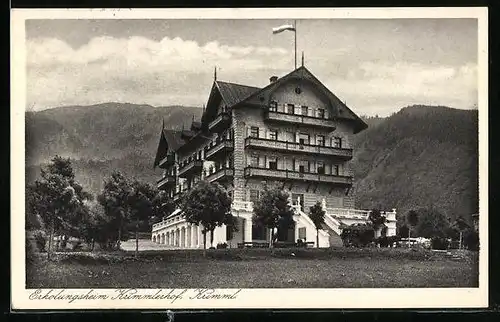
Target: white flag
[(283, 28)]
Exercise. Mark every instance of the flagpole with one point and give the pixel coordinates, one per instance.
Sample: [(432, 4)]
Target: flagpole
[(295, 41)]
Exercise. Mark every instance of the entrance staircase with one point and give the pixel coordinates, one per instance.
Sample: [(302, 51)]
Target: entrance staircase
[(333, 238)]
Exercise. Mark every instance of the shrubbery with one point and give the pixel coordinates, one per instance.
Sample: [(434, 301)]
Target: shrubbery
[(40, 240), (357, 235), (221, 245), (471, 240), (440, 243)]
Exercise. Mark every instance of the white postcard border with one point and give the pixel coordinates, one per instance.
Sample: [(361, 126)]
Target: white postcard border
[(246, 298)]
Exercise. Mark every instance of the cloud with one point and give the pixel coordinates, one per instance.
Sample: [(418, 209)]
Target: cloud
[(136, 69), (382, 87), (178, 71)]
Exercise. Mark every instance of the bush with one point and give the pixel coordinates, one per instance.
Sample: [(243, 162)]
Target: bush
[(221, 245), (40, 240), (357, 235), (77, 246), (439, 243), (30, 250), (471, 240)]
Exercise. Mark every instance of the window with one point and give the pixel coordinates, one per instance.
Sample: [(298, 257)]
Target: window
[(302, 233), (229, 233), (304, 110), (273, 106), (254, 161), (200, 155), (302, 168), (320, 167), (254, 195), (290, 108), (320, 140), (335, 169), (321, 113), (273, 164), (254, 132), (304, 138), (273, 135), (337, 142)]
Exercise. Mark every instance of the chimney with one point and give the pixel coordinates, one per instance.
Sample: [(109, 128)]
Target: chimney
[(273, 79)]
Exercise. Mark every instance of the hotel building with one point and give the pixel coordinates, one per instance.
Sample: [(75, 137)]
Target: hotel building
[(293, 133)]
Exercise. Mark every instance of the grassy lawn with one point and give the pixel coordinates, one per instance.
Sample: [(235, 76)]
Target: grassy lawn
[(255, 268)]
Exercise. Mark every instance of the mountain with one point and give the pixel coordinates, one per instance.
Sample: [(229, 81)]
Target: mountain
[(101, 138), (419, 156)]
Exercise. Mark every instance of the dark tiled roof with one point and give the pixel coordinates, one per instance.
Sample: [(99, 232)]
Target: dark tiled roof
[(234, 93), (195, 126), (174, 139)]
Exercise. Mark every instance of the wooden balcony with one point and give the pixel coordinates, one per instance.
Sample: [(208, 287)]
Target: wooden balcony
[(298, 176), (218, 149), (188, 169), (306, 120), (284, 146), (166, 181), (223, 174), (220, 123), (167, 161)]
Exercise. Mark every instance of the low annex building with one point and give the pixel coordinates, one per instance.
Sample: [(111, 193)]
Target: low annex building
[(294, 134)]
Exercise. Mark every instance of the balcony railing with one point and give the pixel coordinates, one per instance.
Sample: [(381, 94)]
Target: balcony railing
[(220, 123), (167, 161), (218, 147), (167, 180), (220, 175), (190, 167), (272, 115), (168, 222), (298, 176), (346, 213), (267, 144)]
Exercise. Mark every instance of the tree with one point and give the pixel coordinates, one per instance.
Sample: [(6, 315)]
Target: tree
[(461, 225), (432, 223), (208, 205), (376, 219), (273, 210), (114, 200), (412, 220), (163, 205), (57, 198), (96, 227), (317, 215), (140, 203), (403, 231)]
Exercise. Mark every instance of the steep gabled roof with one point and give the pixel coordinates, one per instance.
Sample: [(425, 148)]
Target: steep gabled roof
[(234, 93), (170, 140), (174, 139), (260, 96)]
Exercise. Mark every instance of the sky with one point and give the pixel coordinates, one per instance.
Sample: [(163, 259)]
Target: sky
[(377, 66)]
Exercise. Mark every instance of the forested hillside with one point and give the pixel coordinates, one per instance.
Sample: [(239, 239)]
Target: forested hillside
[(421, 156), (417, 157)]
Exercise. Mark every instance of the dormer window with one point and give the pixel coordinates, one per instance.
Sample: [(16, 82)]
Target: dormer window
[(273, 106), (337, 142), (254, 132), (321, 113)]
